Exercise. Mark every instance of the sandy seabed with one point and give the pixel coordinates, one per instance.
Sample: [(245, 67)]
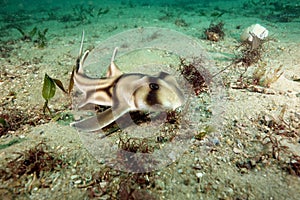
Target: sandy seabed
[(254, 155)]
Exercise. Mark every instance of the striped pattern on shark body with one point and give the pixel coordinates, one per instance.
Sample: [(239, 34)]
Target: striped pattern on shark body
[(124, 93)]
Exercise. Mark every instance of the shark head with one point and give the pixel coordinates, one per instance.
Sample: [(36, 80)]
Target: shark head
[(157, 93)]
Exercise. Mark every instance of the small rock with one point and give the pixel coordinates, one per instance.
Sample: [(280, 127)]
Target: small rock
[(103, 184), (230, 190), (199, 174), (22, 136), (237, 150), (229, 142), (243, 170), (215, 186), (197, 166), (216, 141), (77, 182), (252, 163), (74, 177)]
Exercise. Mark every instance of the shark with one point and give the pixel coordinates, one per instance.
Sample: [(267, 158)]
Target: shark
[(123, 92)]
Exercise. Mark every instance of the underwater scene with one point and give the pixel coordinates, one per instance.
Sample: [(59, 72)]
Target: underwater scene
[(170, 99)]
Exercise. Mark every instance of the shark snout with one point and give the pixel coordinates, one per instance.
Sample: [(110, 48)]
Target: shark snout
[(174, 103)]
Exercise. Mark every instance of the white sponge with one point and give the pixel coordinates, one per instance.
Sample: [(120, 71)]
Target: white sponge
[(255, 29)]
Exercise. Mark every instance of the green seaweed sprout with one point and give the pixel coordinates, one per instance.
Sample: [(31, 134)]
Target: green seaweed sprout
[(273, 10), (48, 92), (207, 129), (41, 41), (81, 14), (10, 143), (3, 122), (27, 36), (49, 89)]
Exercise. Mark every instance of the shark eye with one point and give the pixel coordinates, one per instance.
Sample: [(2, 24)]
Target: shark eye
[(153, 86)]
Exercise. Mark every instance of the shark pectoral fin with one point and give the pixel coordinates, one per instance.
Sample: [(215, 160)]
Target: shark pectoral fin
[(96, 122), (99, 121)]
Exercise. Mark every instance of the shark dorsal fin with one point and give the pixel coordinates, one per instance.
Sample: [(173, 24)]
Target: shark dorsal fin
[(113, 69), (81, 58)]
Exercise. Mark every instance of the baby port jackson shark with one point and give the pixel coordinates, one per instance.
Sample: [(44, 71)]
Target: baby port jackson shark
[(124, 92)]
